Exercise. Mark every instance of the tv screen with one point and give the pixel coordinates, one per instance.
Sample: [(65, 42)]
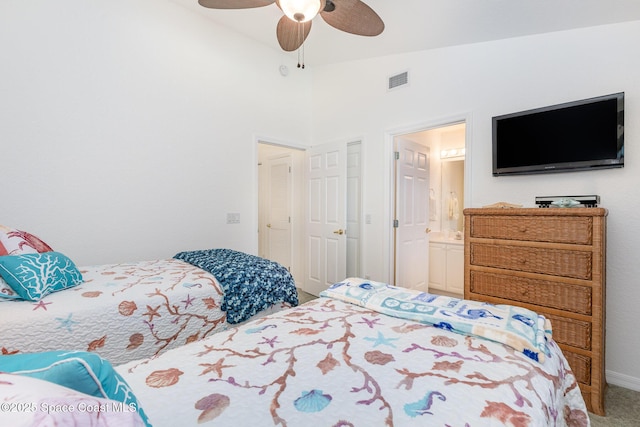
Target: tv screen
[(579, 135)]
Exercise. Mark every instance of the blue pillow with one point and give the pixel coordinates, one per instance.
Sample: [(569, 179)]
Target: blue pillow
[(32, 276), (78, 370)]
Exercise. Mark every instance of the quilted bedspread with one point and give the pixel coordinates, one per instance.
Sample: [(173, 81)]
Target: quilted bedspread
[(250, 283), (518, 327), (122, 312), (332, 363)]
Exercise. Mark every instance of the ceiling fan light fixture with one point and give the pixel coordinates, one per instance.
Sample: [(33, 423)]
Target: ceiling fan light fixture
[(301, 10)]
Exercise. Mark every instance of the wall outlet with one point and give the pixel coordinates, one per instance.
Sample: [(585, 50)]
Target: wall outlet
[(233, 218)]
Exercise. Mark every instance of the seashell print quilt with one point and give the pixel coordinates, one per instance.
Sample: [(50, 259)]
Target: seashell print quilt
[(332, 363), (122, 312)]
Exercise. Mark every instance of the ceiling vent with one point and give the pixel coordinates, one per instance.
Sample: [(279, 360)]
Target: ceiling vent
[(398, 80)]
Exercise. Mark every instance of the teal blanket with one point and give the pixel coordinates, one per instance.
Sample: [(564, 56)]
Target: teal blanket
[(522, 329)]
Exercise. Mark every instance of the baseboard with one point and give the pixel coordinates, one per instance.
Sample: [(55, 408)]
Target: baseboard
[(623, 380)]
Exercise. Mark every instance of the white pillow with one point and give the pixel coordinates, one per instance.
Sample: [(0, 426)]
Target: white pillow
[(6, 293), (26, 401)]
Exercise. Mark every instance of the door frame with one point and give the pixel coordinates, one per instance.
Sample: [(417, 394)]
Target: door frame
[(390, 188), (297, 225)]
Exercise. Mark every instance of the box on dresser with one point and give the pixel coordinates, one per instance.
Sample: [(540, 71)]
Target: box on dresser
[(551, 261)]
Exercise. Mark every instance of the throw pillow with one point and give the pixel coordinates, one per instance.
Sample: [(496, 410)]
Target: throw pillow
[(6, 293), (30, 402), (33, 276), (15, 242), (78, 370)]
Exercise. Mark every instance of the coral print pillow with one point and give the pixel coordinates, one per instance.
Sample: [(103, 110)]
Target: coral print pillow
[(33, 276), (15, 242)]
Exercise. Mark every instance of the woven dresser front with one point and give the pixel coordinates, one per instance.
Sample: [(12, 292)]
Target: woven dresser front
[(551, 261)]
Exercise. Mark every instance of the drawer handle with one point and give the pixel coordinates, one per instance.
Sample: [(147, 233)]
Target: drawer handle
[(522, 229)]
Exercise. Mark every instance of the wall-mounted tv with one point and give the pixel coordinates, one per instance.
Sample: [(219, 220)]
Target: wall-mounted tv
[(579, 135)]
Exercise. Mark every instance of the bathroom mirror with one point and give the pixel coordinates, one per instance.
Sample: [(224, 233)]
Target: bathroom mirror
[(452, 178)]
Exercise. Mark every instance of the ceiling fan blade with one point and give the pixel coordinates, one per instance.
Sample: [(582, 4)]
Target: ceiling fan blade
[(292, 34), (352, 16), (234, 4)]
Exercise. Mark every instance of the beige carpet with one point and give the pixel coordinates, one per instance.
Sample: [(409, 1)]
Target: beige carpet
[(622, 407)]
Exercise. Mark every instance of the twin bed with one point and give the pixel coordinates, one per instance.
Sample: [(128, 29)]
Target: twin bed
[(364, 353), (135, 310), (355, 357)]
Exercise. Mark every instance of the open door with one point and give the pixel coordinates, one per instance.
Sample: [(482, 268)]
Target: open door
[(412, 216), (326, 216)]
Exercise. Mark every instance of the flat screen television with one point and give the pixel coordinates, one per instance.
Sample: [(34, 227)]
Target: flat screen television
[(579, 135)]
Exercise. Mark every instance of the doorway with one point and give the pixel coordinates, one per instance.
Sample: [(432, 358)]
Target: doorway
[(293, 205), (435, 207), (280, 206)]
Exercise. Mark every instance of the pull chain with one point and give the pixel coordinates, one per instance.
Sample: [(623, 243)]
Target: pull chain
[(301, 48)]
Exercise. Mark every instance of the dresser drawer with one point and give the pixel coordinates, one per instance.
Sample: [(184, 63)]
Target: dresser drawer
[(575, 333), (544, 293), (580, 365), (555, 262), (574, 230)]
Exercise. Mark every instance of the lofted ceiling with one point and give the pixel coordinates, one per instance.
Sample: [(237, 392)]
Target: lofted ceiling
[(413, 25)]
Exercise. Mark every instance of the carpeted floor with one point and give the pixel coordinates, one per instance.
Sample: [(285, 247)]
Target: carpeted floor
[(304, 296), (622, 405)]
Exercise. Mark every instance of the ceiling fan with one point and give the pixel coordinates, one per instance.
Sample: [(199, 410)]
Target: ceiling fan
[(351, 16)]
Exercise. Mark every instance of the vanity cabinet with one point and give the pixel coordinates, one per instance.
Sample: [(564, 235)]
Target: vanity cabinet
[(552, 261), (446, 267)]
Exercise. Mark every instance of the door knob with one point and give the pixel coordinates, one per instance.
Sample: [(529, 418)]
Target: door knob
[(427, 230), (339, 231), (268, 225)]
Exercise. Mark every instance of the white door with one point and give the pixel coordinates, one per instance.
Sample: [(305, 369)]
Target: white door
[(326, 216), (278, 244), (412, 215)]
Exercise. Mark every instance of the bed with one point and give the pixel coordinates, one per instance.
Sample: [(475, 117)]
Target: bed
[(364, 354), (136, 310), (367, 354)]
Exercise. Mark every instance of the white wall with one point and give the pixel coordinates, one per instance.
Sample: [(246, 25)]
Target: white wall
[(483, 80), (128, 131), (127, 127)]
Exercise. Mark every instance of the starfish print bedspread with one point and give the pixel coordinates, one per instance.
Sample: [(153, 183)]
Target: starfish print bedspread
[(332, 363), (123, 312)]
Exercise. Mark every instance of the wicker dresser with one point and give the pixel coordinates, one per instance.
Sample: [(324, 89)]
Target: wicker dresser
[(550, 260)]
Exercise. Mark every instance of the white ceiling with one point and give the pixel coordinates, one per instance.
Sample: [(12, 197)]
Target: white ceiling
[(413, 25)]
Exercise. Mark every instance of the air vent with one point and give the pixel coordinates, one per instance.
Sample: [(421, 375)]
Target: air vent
[(398, 80)]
